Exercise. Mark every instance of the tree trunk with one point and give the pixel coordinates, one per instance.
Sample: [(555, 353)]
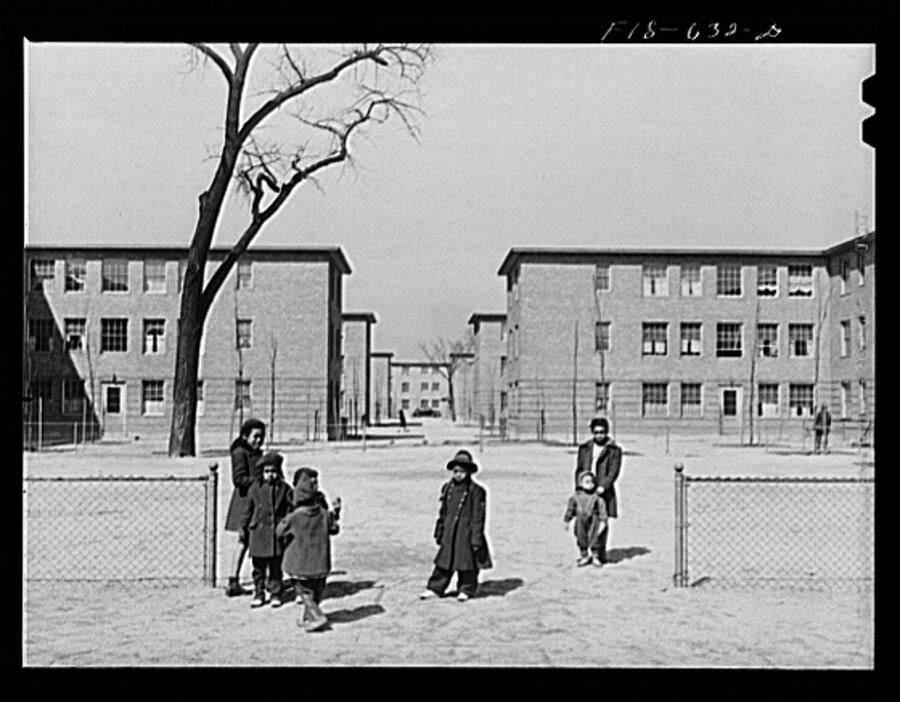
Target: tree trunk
[(187, 360)]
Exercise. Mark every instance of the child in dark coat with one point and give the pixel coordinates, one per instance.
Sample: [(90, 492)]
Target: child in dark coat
[(589, 511), (269, 501), (459, 532), (307, 530)]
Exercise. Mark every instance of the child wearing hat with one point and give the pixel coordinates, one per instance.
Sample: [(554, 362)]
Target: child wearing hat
[(307, 530), (589, 511), (459, 532), (269, 500)]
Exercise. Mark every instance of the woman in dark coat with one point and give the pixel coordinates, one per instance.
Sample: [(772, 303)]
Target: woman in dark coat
[(245, 452), (459, 532)]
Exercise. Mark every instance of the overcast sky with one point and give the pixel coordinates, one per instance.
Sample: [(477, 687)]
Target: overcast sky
[(522, 145)]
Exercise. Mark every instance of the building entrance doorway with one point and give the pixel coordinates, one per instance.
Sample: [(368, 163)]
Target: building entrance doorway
[(113, 407)]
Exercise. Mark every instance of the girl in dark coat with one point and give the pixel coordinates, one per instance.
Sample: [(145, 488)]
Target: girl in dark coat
[(459, 532), (245, 452), (268, 502), (307, 530)]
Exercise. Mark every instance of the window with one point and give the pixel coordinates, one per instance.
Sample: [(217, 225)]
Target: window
[(601, 397), (242, 395), (767, 281), (424, 387), (862, 332), (690, 281), (244, 275), (76, 272), (845, 338), (114, 275), (601, 336), (42, 269), (153, 402), (655, 280), (691, 405), (728, 280), (435, 404), (74, 330), (404, 370), (244, 327), (800, 399), (844, 273), (40, 332), (655, 338), (113, 335), (800, 338), (42, 389), (154, 336), (435, 387), (845, 400), (690, 338), (404, 403), (73, 396), (404, 387), (728, 339), (655, 399), (154, 276), (423, 404), (861, 266), (768, 400), (201, 404), (767, 338), (601, 278), (800, 283)]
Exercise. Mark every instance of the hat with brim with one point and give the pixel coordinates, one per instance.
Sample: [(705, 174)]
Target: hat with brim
[(463, 459)]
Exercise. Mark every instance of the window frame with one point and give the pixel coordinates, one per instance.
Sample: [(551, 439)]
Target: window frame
[(760, 328), (723, 279), (602, 277), (797, 402), (601, 396), (80, 323), (107, 334), (72, 267), (158, 408), (647, 393), (151, 281), (243, 272), (655, 285), (721, 331), (243, 331), (688, 281), (686, 350), (68, 396), (110, 269), (602, 338), (40, 329), (800, 286), (762, 404), (159, 340), (698, 387), (243, 394), (764, 286), (648, 337), (37, 278), (794, 338)]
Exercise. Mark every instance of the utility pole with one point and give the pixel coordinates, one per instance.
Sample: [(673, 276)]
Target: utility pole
[(575, 387)]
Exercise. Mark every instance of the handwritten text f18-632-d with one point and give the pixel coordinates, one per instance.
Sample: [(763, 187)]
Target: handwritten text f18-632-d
[(629, 30)]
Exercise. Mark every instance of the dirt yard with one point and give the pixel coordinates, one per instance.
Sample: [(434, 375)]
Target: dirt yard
[(534, 608)]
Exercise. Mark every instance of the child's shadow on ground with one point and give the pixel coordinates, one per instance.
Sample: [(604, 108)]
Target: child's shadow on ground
[(343, 616), (614, 555), (333, 590), (499, 588)]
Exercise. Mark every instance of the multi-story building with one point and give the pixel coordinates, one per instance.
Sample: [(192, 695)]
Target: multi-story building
[(419, 385), (356, 345), (690, 338), (101, 325), (489, 335), (380, 400)]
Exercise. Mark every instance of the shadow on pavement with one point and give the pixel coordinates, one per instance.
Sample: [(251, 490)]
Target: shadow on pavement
[(343, 616), (614, 555), (345, 588), (498, 588)]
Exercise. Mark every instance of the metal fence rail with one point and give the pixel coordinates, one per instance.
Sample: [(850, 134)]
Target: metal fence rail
[(804, 532), (120, 528)]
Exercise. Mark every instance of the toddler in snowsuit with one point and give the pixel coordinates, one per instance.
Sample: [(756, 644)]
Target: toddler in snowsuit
[(588, 509)]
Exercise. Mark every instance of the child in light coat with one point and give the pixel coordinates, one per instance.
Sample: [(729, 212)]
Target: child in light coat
[(588, 510)]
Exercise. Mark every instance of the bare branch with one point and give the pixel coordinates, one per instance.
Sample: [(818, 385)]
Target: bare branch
[(236, 50), (217, 59)]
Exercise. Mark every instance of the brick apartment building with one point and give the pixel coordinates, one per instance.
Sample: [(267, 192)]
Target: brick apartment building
[(100, 337), (489, 335), (688, 339), (380, 386), (356, 346), (418, 385)]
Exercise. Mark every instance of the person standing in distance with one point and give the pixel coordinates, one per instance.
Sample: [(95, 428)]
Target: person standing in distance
[(602, 457)]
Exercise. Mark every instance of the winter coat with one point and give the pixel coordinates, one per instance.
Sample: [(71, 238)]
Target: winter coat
[(585, 503), (244, 473), (605, 472), (267, 504), (459, 530), (307, 532), (822, 422)]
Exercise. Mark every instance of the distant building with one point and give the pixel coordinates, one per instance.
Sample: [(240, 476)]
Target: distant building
[(419, 385), (380, 399), (693, 339), (356, 344), (100, 337), (489, 334)]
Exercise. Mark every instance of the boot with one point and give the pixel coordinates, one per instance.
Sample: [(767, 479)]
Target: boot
[(313, 617), (234, 588)]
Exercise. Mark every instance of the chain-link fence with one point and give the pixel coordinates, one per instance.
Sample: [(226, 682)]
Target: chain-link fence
[(120, 528), (778, 531)]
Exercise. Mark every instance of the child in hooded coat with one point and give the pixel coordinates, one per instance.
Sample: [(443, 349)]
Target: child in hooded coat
[(588, 509), (307, 530)]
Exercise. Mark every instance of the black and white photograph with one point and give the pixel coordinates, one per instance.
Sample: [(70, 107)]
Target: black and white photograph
[(465, 354)]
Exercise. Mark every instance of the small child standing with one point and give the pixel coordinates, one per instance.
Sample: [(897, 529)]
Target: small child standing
[(307, 530), (588, 509), (269, 500)]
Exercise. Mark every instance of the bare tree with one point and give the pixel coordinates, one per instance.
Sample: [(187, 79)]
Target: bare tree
[(446, 355), (383, 80)]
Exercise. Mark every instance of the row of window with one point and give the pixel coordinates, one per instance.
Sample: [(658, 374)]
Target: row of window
[(423, 404), (114, 334), (424, 387), (114, 275), (423, 370)]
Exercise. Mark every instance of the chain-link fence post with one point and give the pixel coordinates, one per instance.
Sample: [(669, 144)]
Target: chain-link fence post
[(212, 489), (680, 577)]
